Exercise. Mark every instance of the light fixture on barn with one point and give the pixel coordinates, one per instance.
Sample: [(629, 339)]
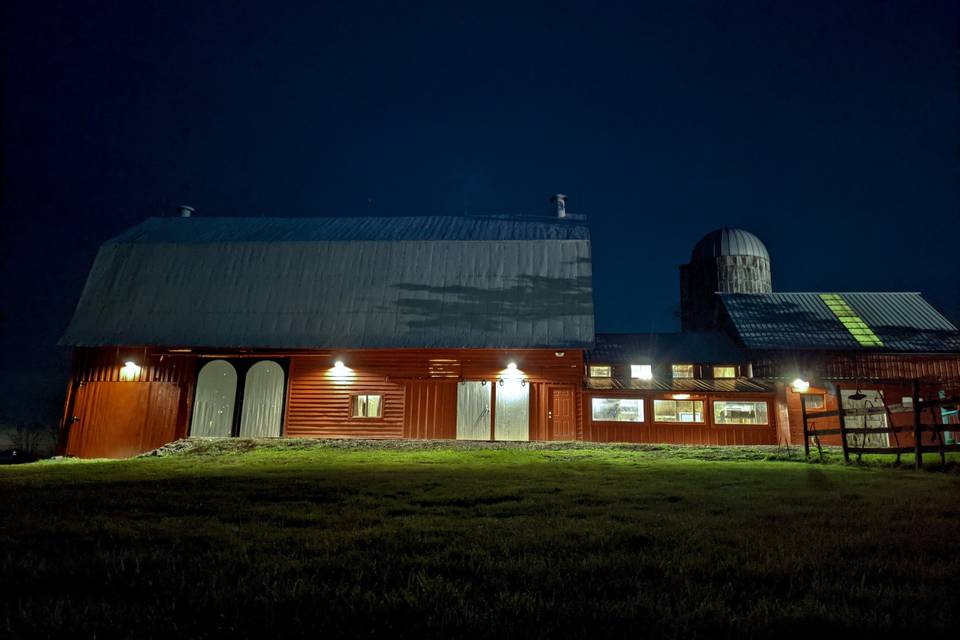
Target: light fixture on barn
[(129, 371), (800, 385)]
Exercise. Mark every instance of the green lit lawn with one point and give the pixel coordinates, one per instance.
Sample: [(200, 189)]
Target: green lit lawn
[(389, 540)]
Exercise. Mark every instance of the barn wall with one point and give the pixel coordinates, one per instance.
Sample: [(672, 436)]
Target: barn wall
[(858, 366), (106, 415), (418, 387), (706, 433)]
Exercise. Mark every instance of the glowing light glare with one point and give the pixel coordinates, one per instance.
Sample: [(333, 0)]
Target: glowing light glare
[(338, 365), (800, 385), (129, 371), (681, 396), (511, 366)]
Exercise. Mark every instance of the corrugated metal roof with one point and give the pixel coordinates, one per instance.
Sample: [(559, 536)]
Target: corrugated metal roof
[(729, 242), (688, 385), (401, 228), (904, 322), (688, 347), (426, 282)]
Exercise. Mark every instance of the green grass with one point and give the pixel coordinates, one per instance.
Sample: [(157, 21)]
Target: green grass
[(351, 539)]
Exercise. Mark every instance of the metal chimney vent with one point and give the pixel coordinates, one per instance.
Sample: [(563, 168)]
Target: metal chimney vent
[(185, 211), (559, 201)]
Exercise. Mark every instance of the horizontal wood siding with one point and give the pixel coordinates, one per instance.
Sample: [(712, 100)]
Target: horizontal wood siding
[(319, 405), (430, 409), (706, 433), (419, 388), (857, 366)]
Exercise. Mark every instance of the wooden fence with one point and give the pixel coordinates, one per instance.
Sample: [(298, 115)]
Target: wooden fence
[(937, 425)]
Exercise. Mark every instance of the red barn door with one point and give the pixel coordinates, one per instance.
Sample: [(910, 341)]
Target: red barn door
[(562, 416)]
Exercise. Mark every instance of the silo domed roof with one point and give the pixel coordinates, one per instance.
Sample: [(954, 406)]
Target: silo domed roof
[(729, 242)]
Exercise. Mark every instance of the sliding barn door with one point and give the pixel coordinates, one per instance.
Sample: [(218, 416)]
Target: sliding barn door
[(473, 410), (513, 411)]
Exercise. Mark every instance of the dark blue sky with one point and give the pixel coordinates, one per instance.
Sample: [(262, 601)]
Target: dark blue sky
[(829, 129)]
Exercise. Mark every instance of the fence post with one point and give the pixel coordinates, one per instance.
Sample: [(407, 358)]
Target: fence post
[(843, 426), (917, 433), (806, 432)]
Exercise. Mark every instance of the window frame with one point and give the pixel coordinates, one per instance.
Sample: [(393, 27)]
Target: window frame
[(640, 400), (673, 371), (591, 367), (715, 421), (823, 400), (703, 411), (714, 367), (354, 404)]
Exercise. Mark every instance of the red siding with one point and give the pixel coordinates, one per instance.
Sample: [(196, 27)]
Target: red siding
[(431, 409), (121, 419), (419, 389), (706, 433)]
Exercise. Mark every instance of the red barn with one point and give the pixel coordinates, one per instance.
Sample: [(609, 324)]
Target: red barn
[(478, 328)]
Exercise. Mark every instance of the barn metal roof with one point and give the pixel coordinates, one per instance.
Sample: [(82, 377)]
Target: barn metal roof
[(904, 322), (729, 242), (412, 282), (688, 347)]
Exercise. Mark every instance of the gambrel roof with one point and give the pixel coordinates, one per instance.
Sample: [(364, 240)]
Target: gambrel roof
[(402, 282)]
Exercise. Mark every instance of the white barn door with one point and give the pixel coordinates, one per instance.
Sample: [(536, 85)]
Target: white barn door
[(262, 401), (513, 411), (215, 397), (473, 410)]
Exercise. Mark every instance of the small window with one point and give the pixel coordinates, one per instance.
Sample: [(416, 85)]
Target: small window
[(813, 400), (367, 406), (600, 371), (724, 371), (641, 371), (618, 409), (683, 371), (678, 410), (739, 412)]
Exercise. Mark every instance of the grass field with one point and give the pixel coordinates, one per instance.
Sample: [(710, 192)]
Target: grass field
[(410, 540)]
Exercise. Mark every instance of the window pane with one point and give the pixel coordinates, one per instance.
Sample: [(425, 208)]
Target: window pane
[(599, 371), (683, 371), (641, 371), (813, 400), (724, 372), (739, 412), (373, 406), (618, 409), (678, 410)]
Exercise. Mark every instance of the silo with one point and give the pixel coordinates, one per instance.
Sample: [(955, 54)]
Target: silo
[(726, 261)]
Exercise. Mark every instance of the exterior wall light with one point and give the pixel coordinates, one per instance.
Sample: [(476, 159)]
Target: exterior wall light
[(338, 364), (681, 396), (512, 366), (800, 385), (130, 370)]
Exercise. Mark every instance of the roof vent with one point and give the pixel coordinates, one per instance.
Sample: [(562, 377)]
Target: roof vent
[(560, 202), (185, 211)]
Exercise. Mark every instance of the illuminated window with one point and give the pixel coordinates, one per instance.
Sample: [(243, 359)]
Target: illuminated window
[(678, 410), (813, 400), (367, 406), (600, 371), (618, 409), (682, 371), (739, 412), (641, 371), (849, 319), (725, 371)]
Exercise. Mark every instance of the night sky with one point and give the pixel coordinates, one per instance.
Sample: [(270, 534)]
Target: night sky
[(829, 129)]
